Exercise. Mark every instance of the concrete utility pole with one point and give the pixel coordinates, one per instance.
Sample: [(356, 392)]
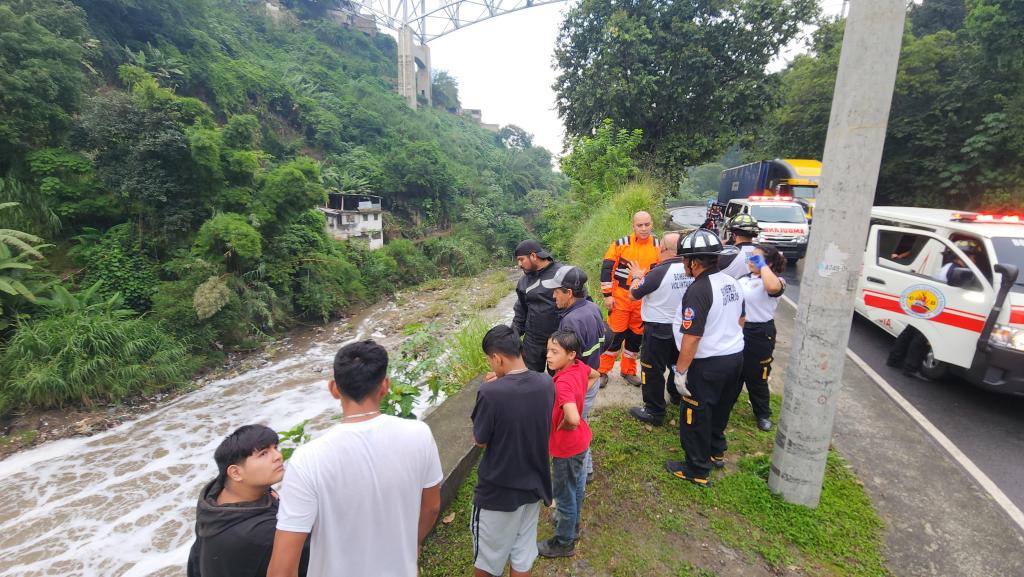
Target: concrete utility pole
[(853, 151)]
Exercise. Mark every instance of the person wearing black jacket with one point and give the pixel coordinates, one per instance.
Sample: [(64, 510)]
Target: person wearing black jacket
[(236, 516), (536, 316)]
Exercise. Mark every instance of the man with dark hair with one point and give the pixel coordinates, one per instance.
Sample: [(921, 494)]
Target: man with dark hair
[(535, 314), (371, 485), (512, 421), (237, 511)]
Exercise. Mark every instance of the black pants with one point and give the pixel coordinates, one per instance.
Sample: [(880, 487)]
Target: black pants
[(657, 355), (535, 352), (759, 344), (714, 384), (909, 350)]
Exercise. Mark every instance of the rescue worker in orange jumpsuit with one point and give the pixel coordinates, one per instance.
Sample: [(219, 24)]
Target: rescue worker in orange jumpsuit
[(642, 250)]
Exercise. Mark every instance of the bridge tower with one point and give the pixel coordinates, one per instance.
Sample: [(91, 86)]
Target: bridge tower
[(417, 22)]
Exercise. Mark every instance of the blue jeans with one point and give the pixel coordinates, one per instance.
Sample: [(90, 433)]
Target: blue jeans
[(568, 480), (588, 403)]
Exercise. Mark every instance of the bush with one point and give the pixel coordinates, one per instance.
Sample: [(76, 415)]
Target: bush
[(415, 267), (378, 270), (325, 285), (461, 253), (98, 353), (118, 262), (230, 238)]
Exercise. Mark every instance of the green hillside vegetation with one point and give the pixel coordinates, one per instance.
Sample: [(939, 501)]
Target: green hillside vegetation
[(168, 156)]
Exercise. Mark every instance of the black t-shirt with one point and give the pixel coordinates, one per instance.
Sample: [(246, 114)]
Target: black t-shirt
[(512, 417)]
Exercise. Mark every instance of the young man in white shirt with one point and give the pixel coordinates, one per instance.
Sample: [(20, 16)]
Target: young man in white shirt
[(369, 489)]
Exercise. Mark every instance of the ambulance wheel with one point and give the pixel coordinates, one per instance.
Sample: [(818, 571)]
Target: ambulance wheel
[(932, 368)]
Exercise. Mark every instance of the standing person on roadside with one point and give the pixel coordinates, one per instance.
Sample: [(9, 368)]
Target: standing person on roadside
[(744, 229), (370, 485), (512, 422), (661, 291), (641, 251), (762, 289), (710, 356), (237, 511), (536, 316), (570, 439), (581, 316)]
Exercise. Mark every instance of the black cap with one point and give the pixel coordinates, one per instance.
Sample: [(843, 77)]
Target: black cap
[(568, 277), (527, 247)]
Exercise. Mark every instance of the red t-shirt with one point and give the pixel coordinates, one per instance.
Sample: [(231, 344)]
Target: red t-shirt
[(570, 387)]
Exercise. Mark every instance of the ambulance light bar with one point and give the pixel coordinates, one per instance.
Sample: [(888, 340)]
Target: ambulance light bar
[(778, 197), (994, 218)]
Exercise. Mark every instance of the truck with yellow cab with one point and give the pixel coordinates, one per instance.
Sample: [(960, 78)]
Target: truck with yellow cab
[(794, 177), (953, 276)]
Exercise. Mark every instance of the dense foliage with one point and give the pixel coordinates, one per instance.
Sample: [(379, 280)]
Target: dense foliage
[(175, 152), (956, 130), (690, 75)]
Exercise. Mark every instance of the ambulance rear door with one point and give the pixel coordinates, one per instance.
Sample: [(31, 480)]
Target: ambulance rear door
[(904, 282)]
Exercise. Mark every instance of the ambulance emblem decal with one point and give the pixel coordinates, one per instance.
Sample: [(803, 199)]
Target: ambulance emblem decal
[(922, 301)]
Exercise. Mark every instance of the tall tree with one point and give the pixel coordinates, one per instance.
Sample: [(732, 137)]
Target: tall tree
[(690, 75)]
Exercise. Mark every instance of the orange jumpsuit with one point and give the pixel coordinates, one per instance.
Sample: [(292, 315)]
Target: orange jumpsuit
[(624, 318)]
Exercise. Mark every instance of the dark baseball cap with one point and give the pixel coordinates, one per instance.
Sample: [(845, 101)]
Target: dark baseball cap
[(530, 246), (567, 277)]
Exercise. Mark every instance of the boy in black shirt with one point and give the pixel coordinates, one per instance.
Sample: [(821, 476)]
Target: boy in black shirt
[(512, 421), (237, 512)]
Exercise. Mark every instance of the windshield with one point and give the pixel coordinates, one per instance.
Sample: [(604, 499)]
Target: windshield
[(1011, 251), (804, 191), (788, 213)]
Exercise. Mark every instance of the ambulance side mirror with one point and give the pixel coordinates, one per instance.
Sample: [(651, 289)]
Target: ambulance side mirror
[(961, 277)]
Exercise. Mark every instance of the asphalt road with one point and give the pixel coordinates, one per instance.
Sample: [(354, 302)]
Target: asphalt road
[(689, 216), (987, 427)]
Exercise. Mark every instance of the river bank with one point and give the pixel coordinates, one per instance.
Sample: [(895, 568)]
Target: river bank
[(431, 301)]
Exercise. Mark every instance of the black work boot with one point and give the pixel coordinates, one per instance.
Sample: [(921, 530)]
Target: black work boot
[(680, 471), (552, 548), (641, 414)]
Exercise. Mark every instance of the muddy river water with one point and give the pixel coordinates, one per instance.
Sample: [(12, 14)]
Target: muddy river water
[(121, 503)]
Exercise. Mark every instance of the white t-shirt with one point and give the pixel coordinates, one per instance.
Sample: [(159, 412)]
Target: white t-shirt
[(357, 489), (760, 306)]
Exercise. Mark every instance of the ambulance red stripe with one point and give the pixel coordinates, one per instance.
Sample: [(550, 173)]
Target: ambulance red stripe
[(891, 303), (1017, 315)]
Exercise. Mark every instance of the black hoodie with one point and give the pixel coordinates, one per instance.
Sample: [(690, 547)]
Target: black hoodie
[(234, 540)]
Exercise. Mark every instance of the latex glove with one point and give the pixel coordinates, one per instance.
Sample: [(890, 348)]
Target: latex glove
[(757, 260)]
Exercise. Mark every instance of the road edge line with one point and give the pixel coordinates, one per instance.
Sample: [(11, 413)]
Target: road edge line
[(963, 460)]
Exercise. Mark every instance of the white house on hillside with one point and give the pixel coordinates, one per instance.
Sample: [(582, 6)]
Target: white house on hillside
[(355, 216)]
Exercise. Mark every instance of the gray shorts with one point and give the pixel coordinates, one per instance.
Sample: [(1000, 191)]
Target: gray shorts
[(503, 536)]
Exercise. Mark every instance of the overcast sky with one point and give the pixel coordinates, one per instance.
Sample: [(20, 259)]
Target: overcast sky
[(504, 67)]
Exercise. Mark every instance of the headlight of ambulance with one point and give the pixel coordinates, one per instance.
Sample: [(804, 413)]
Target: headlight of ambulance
[(800, 239), (1007, 337)]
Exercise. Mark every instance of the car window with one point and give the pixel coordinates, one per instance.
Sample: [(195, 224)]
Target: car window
[(918, 255), (1010, 250), (731, 210), (788, 213)]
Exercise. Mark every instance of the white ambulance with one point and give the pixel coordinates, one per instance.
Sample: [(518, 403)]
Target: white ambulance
[(782, 221), (952, 275)]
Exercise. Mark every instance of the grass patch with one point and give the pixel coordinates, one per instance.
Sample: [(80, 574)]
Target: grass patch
[(638, 520)]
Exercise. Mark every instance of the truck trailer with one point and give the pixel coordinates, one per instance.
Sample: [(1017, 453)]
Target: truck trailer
[(793, 177)]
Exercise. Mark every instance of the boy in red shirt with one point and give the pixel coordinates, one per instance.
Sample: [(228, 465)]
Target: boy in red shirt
[(569, 441)]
